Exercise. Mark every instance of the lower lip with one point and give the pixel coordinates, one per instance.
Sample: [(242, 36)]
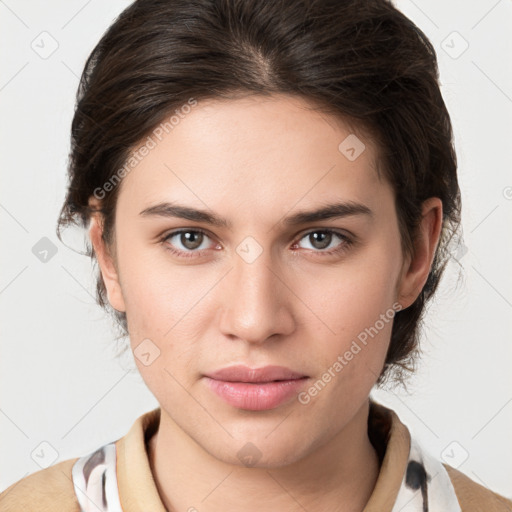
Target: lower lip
[(257, 396)]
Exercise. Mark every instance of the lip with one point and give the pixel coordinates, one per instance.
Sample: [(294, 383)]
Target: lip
[(241, 373), (255, 389)]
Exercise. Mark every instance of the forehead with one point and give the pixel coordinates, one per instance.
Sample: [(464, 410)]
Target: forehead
[(254, 152)]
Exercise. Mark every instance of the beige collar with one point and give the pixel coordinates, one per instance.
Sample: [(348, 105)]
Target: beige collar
[(118, 475), (138, 491)]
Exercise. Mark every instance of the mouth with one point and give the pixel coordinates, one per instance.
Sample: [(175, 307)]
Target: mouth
[(241, 373), (256, 389)]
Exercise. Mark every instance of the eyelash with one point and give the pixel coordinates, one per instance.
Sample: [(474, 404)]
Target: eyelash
[(343, 247)]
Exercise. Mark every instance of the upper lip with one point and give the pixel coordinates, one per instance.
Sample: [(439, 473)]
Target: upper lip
[(241, 373)]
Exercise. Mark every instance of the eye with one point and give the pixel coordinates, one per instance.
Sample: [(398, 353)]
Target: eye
[(186, 242), (189, 243), (321, 239)]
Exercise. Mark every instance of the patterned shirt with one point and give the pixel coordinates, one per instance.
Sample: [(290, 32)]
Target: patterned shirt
[(117, 477)]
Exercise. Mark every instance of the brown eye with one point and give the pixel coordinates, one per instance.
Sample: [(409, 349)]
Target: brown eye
[(322, 239), (191, 239), (187, 240)]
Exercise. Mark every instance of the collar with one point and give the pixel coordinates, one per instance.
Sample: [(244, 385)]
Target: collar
[(117, 477)]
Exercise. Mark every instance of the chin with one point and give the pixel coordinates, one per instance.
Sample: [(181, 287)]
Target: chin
[(263, 450)]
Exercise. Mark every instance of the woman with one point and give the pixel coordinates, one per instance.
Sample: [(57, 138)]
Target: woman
[(271, 195)]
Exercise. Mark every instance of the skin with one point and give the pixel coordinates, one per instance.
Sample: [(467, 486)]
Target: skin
[(254, 161)]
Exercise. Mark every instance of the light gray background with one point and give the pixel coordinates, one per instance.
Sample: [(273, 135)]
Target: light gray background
[(61, 384)]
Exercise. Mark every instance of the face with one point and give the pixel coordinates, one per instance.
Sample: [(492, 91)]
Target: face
[(262, 286)]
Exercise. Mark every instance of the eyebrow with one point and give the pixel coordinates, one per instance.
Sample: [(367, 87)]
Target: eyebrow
[(330, 211)]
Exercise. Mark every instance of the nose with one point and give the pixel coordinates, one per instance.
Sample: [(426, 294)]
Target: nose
[(257, 303)]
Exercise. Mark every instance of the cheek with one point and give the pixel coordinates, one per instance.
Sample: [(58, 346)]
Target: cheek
[(350, 359), (354, 306), (158, 295), (168, 314)]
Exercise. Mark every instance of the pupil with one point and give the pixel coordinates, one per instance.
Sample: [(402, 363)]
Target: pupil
[(323, 237), (187, 239)]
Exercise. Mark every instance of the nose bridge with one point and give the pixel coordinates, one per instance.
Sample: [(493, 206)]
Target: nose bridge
[(256, 306)]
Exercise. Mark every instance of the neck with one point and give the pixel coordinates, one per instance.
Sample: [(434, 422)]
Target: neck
[(338, 476)]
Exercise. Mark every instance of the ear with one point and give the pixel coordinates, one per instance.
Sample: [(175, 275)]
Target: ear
[(106, 260), (417, 267)]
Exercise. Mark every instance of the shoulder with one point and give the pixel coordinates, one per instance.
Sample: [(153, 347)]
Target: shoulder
[(49, 489), (474, 497), (95, 474)]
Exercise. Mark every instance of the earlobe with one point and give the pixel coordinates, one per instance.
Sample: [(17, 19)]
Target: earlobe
[(417, 267), (106, 264)]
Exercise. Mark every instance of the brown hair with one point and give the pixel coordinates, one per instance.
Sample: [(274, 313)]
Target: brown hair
[(361, 60)]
